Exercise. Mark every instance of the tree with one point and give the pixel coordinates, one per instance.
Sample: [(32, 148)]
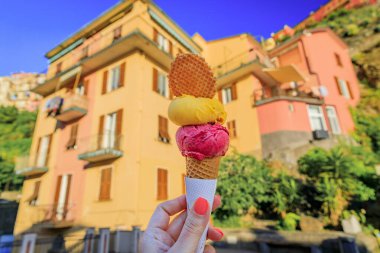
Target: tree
[(16, 130), (338, 179), (244, 183)]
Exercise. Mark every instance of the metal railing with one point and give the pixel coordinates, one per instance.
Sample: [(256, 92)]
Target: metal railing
[(56, 213), (108, 140), (23, 162), (276, 92)]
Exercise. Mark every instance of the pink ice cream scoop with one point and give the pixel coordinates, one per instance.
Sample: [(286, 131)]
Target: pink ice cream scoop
[(203, 141)]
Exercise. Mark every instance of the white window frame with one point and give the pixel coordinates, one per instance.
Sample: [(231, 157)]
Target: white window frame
[(163, 85), (333, 119), (109, 131), (43, 151), (163, 43), (344, 88), (113, 79), (226, 95), (320, 115)]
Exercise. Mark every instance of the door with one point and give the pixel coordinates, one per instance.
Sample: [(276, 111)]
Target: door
[(109, 131), (62, 197)]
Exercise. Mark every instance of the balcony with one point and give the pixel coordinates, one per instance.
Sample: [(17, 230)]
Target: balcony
[(272, 94), (55, 216), (101, 147), (73, 106), (30, 166)]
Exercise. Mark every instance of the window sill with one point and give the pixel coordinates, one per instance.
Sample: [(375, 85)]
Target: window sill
[(163, 142), (111, 91), (103, 200), (168, 98)]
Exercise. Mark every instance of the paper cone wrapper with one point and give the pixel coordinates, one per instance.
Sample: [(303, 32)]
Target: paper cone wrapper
[(196, 188)]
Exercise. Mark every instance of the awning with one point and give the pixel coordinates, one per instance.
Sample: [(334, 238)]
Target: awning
[(289, 73)]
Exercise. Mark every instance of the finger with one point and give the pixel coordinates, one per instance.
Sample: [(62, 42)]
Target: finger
[(176, 225), (209, 249), (196, 222), (214, 234), (161, 216)]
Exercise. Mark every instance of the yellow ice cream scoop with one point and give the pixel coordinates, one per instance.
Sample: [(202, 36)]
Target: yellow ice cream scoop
[(188, 110)]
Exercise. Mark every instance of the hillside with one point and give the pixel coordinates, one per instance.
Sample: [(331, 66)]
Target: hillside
[(360, 29), (16, 129)]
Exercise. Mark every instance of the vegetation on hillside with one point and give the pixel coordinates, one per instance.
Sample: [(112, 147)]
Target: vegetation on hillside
[(16, 130), (360, 29)]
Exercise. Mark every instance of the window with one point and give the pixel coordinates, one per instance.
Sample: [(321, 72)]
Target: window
[(110, 129), (344, 88), (72, 143), (228, 94), (105, 184), (43, 151), (317, 120), (34, 198), (163, 43), (231, 126), (160, 83), (333, 119), (163, 133), (117, 33), (58, 68), (162, 184), (81, 89), (338, 60), (113, 80), (84, 53)]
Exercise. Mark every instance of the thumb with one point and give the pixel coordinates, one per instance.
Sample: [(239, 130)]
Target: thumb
[(195, 224)]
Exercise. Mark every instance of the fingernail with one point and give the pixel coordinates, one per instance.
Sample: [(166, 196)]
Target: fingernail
[(220, 232), (201, 206)]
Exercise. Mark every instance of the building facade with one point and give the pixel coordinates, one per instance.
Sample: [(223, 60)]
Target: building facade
[(299, 115), (15, 90), (104, 152)]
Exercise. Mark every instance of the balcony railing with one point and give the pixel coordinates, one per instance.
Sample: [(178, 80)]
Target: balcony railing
[(265, 95), (30, 165), (102, 147), (55, 215), (73, 106)]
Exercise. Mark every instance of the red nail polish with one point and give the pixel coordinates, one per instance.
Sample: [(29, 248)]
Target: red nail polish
[(201, 206), (219, 231)]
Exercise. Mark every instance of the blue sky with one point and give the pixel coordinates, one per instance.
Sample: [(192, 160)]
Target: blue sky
[(30, 28)]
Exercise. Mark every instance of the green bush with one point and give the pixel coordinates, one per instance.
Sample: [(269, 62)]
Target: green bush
[(244, 183), (289, 222), (351, 30), (337, 177)]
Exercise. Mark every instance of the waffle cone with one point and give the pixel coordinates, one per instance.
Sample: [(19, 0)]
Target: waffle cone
[(205, 169), (190, 74)]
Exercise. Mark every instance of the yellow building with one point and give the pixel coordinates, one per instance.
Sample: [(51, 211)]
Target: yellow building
[(103, 151)]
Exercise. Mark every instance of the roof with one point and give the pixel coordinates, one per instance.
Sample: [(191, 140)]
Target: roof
[(102, 21)]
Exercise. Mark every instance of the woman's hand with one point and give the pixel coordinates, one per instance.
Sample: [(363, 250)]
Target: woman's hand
[(184, 232)]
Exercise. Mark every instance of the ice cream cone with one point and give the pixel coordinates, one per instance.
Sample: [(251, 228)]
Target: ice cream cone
[(206, 169), (190, 74)]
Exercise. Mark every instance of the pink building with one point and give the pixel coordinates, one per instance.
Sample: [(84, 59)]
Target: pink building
[(295, 115)]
